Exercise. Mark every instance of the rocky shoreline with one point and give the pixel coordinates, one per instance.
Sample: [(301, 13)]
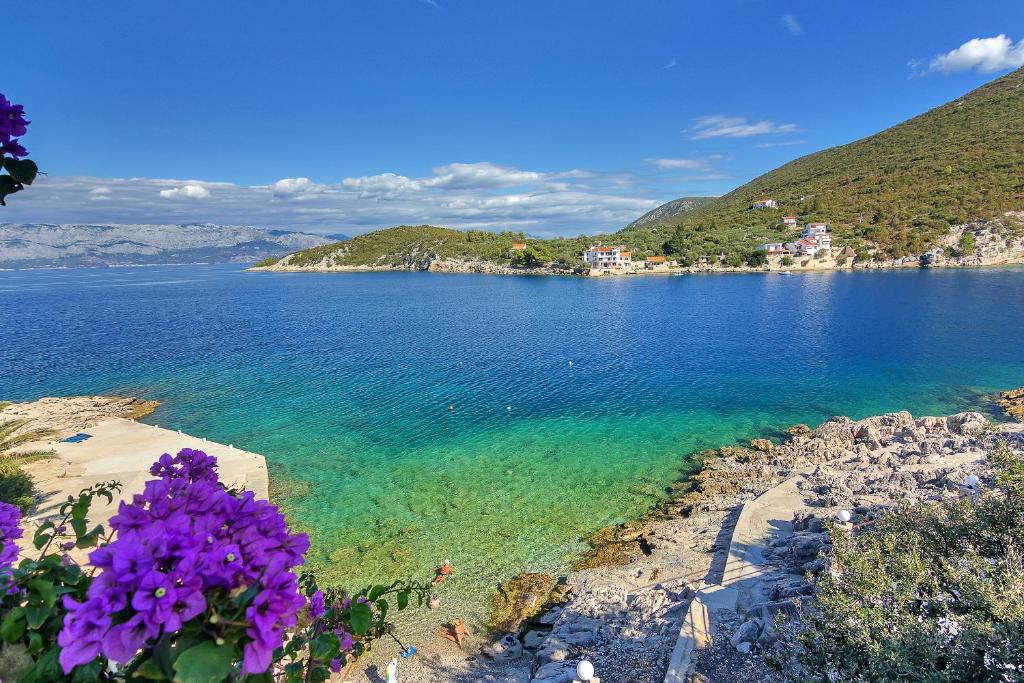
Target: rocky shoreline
[(996, 244), (625, 602)]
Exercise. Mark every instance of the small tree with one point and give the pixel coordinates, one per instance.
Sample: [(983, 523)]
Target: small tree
[(787, 260), (757, 258), (535, 254), (967, 243)]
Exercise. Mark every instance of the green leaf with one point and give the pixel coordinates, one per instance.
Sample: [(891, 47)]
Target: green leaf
[(204, 663), (8, 185), (35, 643), (79, 527), (13, 625), (149, 670), (40, 540), (376, 592), (403, 599), (36, 615), (81, 507), (45, 589), (88, 673), (24, 171), (46, 670), (382, 608), (321, 647), (360, 617)]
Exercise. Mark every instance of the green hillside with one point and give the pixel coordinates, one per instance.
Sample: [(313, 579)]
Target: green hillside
[(898, 190), (892, 194), (412, 244)]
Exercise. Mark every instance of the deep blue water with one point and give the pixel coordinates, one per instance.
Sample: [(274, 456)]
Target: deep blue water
[(344, 382)]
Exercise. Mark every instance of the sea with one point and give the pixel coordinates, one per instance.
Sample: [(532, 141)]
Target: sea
[(496, 421)]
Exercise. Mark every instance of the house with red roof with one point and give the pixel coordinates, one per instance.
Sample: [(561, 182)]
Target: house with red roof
[(601, 259)]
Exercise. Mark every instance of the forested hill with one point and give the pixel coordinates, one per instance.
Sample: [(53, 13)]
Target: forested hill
[(892, 194), (897, 190)]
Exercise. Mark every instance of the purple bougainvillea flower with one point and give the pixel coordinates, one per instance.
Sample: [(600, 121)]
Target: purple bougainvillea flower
[(12, 118), (13, 148), (10, 532), (180, 543), (125, 640), (316, 605), (89, 623), (345, 638)]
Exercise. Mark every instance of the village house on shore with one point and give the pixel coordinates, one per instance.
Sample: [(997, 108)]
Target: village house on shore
[(815, 240), (618, 260)]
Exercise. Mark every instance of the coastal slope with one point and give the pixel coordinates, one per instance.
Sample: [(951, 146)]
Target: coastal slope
[(891, 197), (897, 192)]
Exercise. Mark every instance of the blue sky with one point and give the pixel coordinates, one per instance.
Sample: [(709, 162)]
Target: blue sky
[(549, 116)]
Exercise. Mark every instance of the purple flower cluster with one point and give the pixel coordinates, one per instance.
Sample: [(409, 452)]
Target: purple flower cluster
[(10, 532), (184, 546), (12, 125)]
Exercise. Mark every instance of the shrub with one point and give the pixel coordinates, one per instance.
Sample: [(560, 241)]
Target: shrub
[(757, 258), (15, 485), (934, 592), (967, 244), (787, 260)]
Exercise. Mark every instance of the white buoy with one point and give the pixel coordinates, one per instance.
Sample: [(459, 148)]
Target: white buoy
[(585, 670), (844, 516), (570, 364), (508, 408)]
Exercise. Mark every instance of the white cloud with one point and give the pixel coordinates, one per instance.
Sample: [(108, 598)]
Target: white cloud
[(669, 164), (383, 185), (792, 25), (481, 174), (189, 191), (984, 55), (461, 195), (295, 187), (720, 126), (781, 143), (672, 63)]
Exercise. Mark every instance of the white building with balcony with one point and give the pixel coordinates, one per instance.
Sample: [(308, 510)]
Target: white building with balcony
[(607, 258)]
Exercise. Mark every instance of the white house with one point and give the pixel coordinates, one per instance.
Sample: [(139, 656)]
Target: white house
[(808, 246), (815, 229), (773, 247), (765, 204), (599, 257), (789, 221)]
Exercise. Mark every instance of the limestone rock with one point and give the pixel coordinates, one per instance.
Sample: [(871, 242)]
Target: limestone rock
[(517, 600), (1012, 403)]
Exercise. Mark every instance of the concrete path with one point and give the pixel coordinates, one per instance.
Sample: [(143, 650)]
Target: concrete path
[(769, 516), (124, 450)]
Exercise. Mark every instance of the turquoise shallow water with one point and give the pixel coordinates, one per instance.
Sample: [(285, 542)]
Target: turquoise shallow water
[(344, 382)]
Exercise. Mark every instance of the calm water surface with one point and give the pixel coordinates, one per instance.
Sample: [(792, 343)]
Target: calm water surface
[(575, 400)]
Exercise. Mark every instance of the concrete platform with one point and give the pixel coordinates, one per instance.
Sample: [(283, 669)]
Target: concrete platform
[(124, 450)]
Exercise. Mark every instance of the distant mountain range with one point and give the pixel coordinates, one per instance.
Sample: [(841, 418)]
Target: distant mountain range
[(31, 245)]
